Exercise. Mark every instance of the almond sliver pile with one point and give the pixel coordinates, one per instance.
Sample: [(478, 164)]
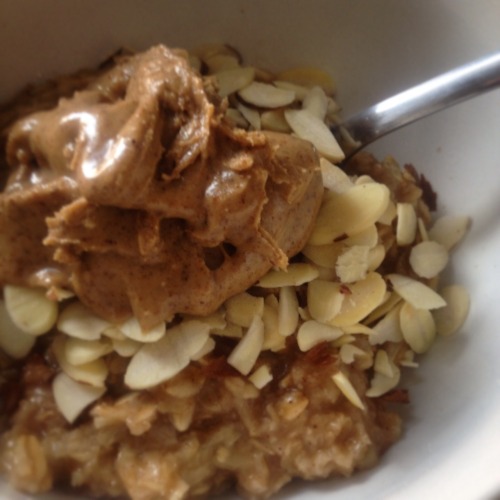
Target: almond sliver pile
[(367, 281)]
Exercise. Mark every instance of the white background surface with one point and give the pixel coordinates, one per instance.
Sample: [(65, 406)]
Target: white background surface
[(451, 446)]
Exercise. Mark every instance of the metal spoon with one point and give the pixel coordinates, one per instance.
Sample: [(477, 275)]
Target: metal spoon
[(420, 101)]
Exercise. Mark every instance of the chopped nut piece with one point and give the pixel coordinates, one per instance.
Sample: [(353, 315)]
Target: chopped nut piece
[(352, 264), (261, 377), (291, 405)]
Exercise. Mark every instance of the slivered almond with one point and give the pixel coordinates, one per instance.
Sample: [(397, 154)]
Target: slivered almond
[(133, 330), (376, 256), (13, 341), (236, 118), (350, 212), (312, 129), (390, 301), (334, 178), (360, 300), (273, 341), (300, 90), (93, 373), (252, 116), (232, 80), (384, 365), (221, 62), (367, 237), (265, 95), (207, 348), (348, 353), (348, 390), (274, 119), (158, 362), (450, 318), (76, 320), (241, 308), (324, 255), (29, 309), (416, 293), (316, 102), (312, 333), (324, 300), (245, 354), (381, 384), (357, 328), (449, 230), (308, 77), (389, 215), (126, 347), (428, 259), (294, 275), (79, 352), (388, 329), (406, 228), (422, 230), (364, 179), (418, 327), (230, 330), (288, 314), (73, 397)]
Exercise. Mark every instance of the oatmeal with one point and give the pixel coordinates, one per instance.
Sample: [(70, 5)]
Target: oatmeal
[(195, 297)]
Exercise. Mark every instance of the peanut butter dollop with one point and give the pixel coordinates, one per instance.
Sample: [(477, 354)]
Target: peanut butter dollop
[(130, 188)]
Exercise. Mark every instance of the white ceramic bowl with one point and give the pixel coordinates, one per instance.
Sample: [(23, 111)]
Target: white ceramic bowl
[(451, 446)]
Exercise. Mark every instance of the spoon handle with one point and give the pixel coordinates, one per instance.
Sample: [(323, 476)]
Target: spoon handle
[(422, 100)]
